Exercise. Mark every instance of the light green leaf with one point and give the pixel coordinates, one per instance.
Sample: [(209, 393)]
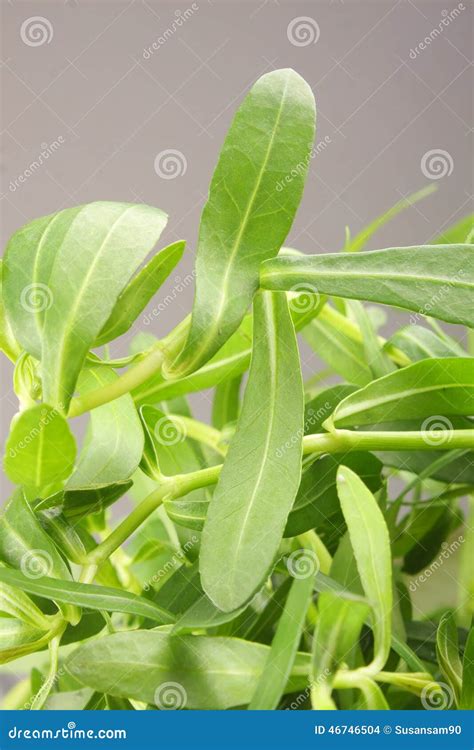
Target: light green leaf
[(19, 638), (460, 232), (360, 240), (56, 271), (433, 280), (343, 355), (254, 195), (114, 443), (226, 404), (426, 388), (371, 545), (261, 474), (448, 654), (40, 448), (8, 343), (25, 545), (139, 292), (377, 360), (467, 692), (103, 598), (277, 669), (421, 343), (194, 672)]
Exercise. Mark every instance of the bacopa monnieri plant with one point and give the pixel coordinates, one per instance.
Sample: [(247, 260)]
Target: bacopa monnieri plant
[(273, 558)]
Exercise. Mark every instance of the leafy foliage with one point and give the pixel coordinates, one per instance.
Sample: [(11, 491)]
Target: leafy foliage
[(266, 560)]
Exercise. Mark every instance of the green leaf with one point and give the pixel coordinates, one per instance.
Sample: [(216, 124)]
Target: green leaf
[(467, 692), (40, 448), (371, 545), (103, 598), (140, 291), (54, 276), (316, 505), (336, 635), (277, 669), (25, 545), (19, 638), (424, 389), (378, 362), (226, 404), (448, 654), (343, 355), (433, 280), (244, 527), (458, 233), (421, 343), (114, 443), (254, 195), (167, 671), (360, 240), (8, 343)]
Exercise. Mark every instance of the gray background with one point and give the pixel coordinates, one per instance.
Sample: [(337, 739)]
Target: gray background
[(112, 108), (90, 85)]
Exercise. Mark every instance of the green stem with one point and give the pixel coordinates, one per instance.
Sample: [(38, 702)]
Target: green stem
[(45, 689), (171, 489), (131, 379), (347, 440), (200, 431), (339, 441)]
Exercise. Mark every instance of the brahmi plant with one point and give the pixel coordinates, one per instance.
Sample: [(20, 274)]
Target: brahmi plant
[(270, 560)]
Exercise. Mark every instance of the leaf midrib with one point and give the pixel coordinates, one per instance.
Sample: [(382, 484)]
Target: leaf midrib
[(225, 281)]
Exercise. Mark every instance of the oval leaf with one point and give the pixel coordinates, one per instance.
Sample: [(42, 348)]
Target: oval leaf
[(261, 474), (433, 280), (40, 449), (253, 197)]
